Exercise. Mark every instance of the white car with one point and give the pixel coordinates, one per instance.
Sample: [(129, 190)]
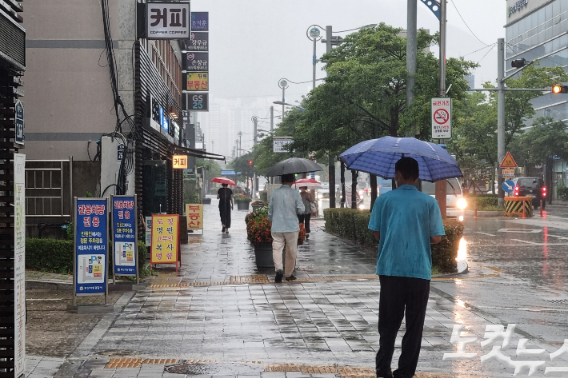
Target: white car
[(454, 191)]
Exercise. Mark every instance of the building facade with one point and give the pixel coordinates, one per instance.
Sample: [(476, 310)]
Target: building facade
[(538, 30), (102, 93)]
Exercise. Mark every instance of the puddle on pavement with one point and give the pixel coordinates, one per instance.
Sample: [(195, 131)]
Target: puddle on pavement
[(214, 369)]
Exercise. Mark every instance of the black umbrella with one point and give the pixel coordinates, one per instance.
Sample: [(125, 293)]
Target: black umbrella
[(293, 165)]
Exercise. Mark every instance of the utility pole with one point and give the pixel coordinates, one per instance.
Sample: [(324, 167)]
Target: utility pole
[(331, 158), (411, 52), (283, 83), (271, 119), (500, 117), (255, 131), (441, 185), (313, 34)]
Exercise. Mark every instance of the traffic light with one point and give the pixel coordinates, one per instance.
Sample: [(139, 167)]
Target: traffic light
[(557, 88), (250, 162), (518, 63)]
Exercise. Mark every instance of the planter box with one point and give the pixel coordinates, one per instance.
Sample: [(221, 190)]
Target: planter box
[(264, 257), (243, 205), (256, 207)]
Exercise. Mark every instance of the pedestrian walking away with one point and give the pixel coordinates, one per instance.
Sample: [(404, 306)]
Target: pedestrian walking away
[(225, 196), (283, 208), (406, 222), (307, 200)]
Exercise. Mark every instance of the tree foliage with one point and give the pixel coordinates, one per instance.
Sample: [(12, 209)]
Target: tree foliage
[(545, 138), (364, 94)]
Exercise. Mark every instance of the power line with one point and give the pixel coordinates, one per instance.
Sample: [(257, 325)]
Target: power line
[(487, 53), (483, 48), (471, 31)]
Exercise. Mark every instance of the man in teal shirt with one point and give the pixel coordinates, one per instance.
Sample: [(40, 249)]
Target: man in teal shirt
[(405, 222)]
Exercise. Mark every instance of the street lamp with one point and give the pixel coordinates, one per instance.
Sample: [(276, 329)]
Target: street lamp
[(314, 34), (286, 104), (283, 83)]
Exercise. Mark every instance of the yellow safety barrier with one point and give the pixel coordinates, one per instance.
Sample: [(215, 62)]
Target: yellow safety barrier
[(519, 206)]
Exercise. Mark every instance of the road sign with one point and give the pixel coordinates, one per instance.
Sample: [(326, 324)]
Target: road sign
[(441, 118), (196, 81), (195, 61), (508, 161), (279, 144), (197, 102), (508, 186), (508, 172), (19, 122)]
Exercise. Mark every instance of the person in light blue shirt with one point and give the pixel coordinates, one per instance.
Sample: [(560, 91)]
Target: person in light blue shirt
[(283, 208), (406, 222)]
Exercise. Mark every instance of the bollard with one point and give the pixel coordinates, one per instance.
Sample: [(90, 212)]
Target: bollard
[(475, 210), (541, 212), (524, 209)]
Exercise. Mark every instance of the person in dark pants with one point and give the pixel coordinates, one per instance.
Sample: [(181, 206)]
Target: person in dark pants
[(225, 196), (406, 222), (305, 217)]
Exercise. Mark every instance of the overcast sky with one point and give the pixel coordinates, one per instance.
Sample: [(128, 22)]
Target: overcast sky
[(254, 43)]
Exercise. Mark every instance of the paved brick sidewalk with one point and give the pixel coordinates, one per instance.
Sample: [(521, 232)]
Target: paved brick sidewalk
[(312, 328)]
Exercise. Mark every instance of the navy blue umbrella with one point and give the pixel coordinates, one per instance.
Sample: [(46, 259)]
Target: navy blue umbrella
[(378, 157)]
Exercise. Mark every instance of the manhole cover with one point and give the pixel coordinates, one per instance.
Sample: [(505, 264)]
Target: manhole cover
[(214, 369)]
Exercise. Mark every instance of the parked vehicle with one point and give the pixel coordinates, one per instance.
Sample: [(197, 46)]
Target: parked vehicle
[(454, 191), (531, 187)]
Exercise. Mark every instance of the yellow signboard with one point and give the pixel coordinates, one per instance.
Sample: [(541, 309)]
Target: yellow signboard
[(194, 215), (508, 172), (165, 239), (179, 162), (196, 81), (508, 161)]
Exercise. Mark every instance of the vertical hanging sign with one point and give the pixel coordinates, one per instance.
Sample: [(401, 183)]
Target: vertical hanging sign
[(165, 239), (91, 246), (124, 236), (19, 264)]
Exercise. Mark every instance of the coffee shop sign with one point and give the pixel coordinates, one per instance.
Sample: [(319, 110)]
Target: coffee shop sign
[(519, 5)]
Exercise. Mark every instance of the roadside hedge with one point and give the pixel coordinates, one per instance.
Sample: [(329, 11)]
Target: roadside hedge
[(56, 256), (482, 201), (353, 224)]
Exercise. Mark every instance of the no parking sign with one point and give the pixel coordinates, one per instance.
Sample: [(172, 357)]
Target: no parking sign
[(441, 118)]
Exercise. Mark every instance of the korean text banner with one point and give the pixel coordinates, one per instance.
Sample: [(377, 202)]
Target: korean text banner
[(168, 20), (124, 235), (199, 21), (198, 41), (91, 246), (194, 215), (196, 81), (165, 239)]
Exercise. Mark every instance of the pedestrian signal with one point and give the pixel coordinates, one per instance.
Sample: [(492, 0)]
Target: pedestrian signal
[(518, 63)]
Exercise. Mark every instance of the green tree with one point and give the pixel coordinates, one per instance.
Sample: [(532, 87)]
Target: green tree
[(364, 95), (212, 168), (545, 138)]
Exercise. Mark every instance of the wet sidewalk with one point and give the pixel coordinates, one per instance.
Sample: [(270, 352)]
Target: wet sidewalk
[(219, 315)]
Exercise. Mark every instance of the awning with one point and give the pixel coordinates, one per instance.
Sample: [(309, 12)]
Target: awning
[(197, 153)]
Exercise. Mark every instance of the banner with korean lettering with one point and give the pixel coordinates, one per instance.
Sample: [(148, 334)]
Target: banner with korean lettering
[(168, 20), (196, 81), (124, 235), (165, 239), (91, 245), (194, 215), (198, 41)]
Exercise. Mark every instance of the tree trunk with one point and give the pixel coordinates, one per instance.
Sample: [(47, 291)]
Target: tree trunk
[(373, 191), (342, 185), (354, 175)]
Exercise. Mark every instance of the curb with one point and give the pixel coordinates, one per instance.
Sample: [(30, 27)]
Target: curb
[(49, 285), (485, 214)]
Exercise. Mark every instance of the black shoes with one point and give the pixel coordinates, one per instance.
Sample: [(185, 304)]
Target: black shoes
[(291, 278), (279, 275), (223, 230)]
